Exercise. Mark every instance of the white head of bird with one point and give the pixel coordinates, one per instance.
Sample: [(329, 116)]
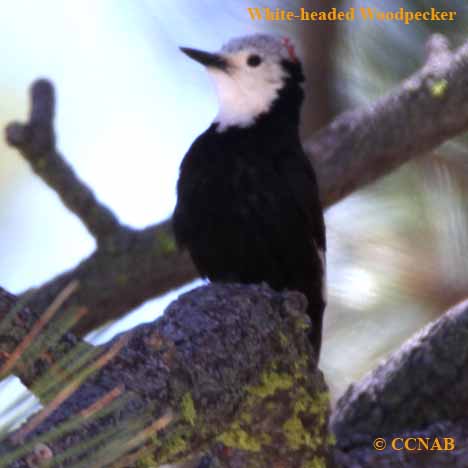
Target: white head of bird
[(248, 73)]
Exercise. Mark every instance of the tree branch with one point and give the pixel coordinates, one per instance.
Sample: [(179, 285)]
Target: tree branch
[(120, 275), (36, 142), (428, 108), (222, 344), (226, 362), (421, 390)]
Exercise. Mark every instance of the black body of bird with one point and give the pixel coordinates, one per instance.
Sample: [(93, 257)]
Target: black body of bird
[(248, 207)]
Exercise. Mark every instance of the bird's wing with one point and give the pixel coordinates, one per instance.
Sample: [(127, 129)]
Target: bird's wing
[(283, 221), (302, 183)]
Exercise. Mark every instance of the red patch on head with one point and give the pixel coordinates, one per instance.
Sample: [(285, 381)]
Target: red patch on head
[(290, 48)]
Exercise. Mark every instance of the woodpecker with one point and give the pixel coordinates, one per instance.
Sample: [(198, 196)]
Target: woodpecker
[(248, 207)]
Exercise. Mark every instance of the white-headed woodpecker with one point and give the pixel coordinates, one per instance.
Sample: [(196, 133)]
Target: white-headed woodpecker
[(248, 206)]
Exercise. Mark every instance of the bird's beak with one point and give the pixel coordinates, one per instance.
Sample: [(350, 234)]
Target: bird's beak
[(206, 58)]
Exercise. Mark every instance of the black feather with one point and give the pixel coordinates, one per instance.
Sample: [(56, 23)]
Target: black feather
[(248, 206)]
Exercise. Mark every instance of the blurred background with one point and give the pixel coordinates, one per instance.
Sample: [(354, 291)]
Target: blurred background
[(129, 106)]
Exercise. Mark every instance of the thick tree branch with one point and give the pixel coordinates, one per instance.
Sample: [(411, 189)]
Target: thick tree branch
[(428, 108), (421, 390), (219, 341), (226, 362)]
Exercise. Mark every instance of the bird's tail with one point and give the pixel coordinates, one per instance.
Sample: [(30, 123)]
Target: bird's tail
[(315, 311)]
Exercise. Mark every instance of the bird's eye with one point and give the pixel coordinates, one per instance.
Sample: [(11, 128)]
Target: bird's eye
[(254, 60)]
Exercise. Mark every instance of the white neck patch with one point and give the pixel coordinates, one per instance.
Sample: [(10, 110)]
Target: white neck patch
[(245, 92)]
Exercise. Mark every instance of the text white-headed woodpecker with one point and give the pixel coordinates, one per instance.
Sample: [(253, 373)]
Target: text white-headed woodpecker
[(248, 206)]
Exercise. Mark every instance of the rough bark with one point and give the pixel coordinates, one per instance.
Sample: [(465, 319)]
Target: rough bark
[(226, 363), (420, 391), (232, 363)]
